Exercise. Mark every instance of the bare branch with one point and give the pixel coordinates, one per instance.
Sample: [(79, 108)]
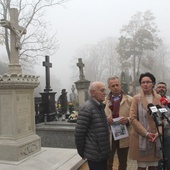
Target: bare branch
[(36, 42)]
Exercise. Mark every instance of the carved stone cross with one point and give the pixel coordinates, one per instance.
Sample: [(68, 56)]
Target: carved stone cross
[(72, 88), (16, 32), (81, 65), (47, 65)]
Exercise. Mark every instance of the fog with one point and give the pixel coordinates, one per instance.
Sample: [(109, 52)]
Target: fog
[(80, 22)]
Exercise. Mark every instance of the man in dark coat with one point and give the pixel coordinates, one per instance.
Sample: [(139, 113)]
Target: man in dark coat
[(92, 132)]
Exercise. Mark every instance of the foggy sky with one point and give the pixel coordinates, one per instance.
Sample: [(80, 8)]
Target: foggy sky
[(82, 22)]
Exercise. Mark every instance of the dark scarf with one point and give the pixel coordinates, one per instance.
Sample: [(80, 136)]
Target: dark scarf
[(115, 104)]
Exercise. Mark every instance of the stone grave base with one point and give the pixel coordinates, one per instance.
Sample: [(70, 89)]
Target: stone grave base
[(47, 159), (57, 134)]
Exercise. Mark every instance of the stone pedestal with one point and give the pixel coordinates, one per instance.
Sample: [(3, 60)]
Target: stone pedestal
[(82, 87), (17, 117), (14, 68), (48, 105)]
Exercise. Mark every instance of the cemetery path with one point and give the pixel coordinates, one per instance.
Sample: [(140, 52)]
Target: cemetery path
[(131, 165)]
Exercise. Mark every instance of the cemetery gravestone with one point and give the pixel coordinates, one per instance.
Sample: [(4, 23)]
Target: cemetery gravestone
[(82, 85), (74, 98), (48, 97), (16, 33), (80, 66), (124, 82), (17, 116), (18, 140)]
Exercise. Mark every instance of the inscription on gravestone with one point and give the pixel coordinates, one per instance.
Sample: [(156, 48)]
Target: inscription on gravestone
[(23, 110)]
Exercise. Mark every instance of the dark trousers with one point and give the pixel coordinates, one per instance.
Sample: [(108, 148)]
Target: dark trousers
[(122, 154), (102, 165)]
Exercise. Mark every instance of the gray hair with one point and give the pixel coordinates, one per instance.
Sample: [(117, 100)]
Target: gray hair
[(112, 78), (94, 85)]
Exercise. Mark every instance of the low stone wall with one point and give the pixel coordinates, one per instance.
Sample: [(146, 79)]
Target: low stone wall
[(56, 134)]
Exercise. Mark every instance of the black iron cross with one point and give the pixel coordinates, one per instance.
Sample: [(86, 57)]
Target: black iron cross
[(47, 66)]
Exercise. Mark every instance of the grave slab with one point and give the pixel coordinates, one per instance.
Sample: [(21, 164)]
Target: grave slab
[(47, 159)]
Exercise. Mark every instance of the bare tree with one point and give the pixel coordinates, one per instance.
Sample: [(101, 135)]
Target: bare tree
[(37, 41), (101, 59), (112, 63)]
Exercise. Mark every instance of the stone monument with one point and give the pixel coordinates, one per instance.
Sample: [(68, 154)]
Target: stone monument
[(125, 86), (18, 141), (16, 33), (48, 97), (82, 85), (73, 95), (74, 98), (17, 116)]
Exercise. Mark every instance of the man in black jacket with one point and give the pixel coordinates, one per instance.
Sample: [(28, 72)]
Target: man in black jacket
[(92, 132)]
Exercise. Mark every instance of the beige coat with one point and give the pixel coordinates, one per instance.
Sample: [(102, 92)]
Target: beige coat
[(124, 111), (138, 129)]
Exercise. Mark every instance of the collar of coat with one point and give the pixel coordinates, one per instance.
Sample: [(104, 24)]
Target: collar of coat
[(156, 99)]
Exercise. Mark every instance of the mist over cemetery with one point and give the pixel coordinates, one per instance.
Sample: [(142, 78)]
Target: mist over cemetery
[(37, 122), (21, 141)]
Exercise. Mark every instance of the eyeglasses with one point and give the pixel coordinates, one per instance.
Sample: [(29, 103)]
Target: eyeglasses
[(146, 82)]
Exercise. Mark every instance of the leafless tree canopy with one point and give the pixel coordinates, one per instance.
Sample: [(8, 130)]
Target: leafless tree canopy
[(37, 42)]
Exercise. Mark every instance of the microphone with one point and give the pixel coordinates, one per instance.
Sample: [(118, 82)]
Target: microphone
[(164, 112), (153, 111), (164, 101)]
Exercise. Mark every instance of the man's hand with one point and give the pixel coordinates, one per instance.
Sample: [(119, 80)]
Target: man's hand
[(110, 120), (124, 120)]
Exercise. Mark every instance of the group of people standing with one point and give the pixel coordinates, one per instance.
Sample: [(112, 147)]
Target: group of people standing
[(93, 135)]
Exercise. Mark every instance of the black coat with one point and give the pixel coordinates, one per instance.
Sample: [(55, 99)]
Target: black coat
[(91, 133)]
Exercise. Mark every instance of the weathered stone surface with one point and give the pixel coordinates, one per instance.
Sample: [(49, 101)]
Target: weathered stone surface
[(56, 134)]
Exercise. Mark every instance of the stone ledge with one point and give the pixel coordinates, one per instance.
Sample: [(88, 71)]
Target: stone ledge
[(48, 159), (73, 163), (18, 81)]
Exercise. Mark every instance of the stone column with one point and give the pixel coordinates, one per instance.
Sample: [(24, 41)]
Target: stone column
[(17, 117), (82, 87)]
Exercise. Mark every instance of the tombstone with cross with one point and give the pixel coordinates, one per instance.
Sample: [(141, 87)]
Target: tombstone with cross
[(82, 85), (47, 66), (16, 32), (48, 96), (17, 113), (80, 66)]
